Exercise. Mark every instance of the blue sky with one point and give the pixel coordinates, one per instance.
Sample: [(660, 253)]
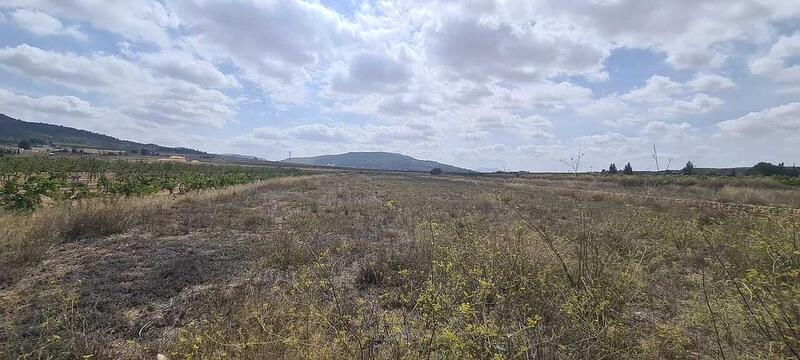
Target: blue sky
[(477, 83)]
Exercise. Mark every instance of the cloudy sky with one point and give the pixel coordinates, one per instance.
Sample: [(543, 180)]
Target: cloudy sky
[(518, 84)]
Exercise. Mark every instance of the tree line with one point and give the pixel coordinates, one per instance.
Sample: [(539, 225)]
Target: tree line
[(768, 169), (612, 169), (760, 169)]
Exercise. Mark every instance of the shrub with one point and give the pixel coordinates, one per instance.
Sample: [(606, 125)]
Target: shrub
[(628, 170), (688, 169)]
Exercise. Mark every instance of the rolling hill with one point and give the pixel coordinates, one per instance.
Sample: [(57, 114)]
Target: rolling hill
[(376, 161), (13, 131)]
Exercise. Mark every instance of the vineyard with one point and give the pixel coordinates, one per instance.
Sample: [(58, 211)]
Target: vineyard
[(26, 181)]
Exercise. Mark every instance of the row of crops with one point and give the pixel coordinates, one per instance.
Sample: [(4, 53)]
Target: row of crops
[(26, 181)]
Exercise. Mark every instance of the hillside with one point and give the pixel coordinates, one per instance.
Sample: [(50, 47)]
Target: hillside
[(12, 131), (376, 161)]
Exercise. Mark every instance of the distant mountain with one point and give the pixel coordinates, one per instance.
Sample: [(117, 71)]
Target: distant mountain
[(13, 131), (376, 161)]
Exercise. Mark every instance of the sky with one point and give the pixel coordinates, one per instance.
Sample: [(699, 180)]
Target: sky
[(483, 84)]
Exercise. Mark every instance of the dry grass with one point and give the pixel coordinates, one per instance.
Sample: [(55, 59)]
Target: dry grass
[(378, 266), (25, 238), (750, 191)]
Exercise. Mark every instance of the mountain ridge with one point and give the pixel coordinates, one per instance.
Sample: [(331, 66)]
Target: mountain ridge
[(15, 130), (376, 160)]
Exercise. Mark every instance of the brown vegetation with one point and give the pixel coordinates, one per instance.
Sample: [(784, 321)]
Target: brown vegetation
[(379, 266)]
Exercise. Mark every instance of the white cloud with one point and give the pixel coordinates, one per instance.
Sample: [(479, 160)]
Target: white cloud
[(471, 48), (482, 151), (188, 68), (42, 24), (553, 95), (783, 120), (657, 89), (474, 135), (139, 20), (603, 107), (370, 73), (627, 120), (468, 93), (133, 90), (692, 34), (661, 97), (661, 131), (510, 125), (776, 63), (411, 133), (269, 133), (660, 128), (422, 77), (404, 105), (22, 106), (705, 82), (554, 151), (323, 133), (612, 145), (179, 105), (332, 134), (275, 44), (78, 72), (699, 104)]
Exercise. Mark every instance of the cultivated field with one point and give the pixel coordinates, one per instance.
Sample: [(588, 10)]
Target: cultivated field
[(350, 265)]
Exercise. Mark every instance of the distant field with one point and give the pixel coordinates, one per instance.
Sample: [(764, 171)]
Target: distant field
[(354, 265), (751, 190)]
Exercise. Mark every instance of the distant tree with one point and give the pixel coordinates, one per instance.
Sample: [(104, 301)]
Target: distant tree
[(612, 169), (733, 172), (603, 171), (24, 144), (688, 169), (144, 152), (766, 169), (628, 170), (436, 171)]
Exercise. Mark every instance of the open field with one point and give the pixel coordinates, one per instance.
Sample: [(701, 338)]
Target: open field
[(751, 190), (349, 265)]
